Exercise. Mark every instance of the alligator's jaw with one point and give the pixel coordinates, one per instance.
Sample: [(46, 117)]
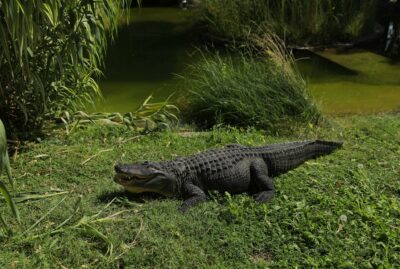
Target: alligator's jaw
[(124, 179), (134, 189)]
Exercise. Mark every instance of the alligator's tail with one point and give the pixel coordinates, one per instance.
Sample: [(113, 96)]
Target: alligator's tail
[(292, 156), (327, 146)]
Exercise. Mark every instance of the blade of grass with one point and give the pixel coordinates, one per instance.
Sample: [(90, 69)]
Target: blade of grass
[(23, 197), (44, 216), (94, 156)]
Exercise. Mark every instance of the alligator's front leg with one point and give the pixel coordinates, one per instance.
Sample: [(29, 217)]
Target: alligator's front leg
[(264, 184), (193, 195)]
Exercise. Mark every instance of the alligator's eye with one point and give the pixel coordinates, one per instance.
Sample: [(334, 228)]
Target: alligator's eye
[(146, 163)]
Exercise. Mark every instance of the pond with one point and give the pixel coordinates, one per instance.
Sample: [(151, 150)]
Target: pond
[(145, 58), (355, 82), (157, 44)]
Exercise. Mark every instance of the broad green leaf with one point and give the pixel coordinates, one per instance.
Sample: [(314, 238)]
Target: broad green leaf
[(9, 200)]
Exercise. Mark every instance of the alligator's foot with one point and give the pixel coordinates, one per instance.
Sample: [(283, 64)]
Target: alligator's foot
[(192, 201), (265, 185), (193, 195), (264, 196)]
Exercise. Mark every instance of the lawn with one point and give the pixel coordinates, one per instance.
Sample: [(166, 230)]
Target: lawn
[(339, 211)]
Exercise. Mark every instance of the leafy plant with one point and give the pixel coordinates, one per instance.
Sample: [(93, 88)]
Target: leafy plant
[(5, 165), (148, 117), (50, 53)]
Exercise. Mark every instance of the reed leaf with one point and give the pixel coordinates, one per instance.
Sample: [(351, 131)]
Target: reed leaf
[(9, 200), (5, 165)]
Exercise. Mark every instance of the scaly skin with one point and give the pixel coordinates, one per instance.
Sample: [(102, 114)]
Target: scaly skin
[(233, 169)]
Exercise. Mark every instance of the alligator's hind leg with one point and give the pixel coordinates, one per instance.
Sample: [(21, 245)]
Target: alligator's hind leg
[(263, 183), (193, 195)]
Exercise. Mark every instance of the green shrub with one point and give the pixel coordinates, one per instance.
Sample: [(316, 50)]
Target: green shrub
[(248, 90), (299, 21), (50, 52)]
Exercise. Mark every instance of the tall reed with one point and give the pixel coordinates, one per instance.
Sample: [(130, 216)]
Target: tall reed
[(244, 89), (298, 21), (50, 54)]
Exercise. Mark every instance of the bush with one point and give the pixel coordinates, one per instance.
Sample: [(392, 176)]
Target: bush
[(298, 21), (265, 91), (50, 52)]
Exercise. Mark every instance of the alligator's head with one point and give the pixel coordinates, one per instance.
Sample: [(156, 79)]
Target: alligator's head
[(145, 177)]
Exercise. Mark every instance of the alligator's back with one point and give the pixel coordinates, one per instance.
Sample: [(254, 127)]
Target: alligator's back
[(278, 157)]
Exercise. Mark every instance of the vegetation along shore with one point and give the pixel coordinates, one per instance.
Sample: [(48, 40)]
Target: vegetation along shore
[(205, 74)]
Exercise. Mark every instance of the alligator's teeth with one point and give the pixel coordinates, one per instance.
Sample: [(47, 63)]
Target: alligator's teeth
[(122, 177)]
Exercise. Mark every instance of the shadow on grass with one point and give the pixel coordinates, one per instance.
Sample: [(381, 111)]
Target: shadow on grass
[(124, 196)]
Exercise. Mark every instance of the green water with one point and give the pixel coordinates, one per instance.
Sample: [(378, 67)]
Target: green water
[(356, 82), (157, 44), (146, 56)]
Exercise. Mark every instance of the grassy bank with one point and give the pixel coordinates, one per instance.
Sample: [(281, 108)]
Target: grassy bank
[(340, 211), (300, 22)]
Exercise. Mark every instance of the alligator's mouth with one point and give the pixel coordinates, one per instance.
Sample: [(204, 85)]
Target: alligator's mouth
[(125, 178)]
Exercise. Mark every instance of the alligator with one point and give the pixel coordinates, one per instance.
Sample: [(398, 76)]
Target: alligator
[(234, 169)]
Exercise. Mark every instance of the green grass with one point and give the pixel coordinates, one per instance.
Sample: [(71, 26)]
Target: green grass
[(340, 211), (244, 90)]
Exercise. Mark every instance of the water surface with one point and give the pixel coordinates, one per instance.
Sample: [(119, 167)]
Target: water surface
[(146, 56), (355, 82)]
